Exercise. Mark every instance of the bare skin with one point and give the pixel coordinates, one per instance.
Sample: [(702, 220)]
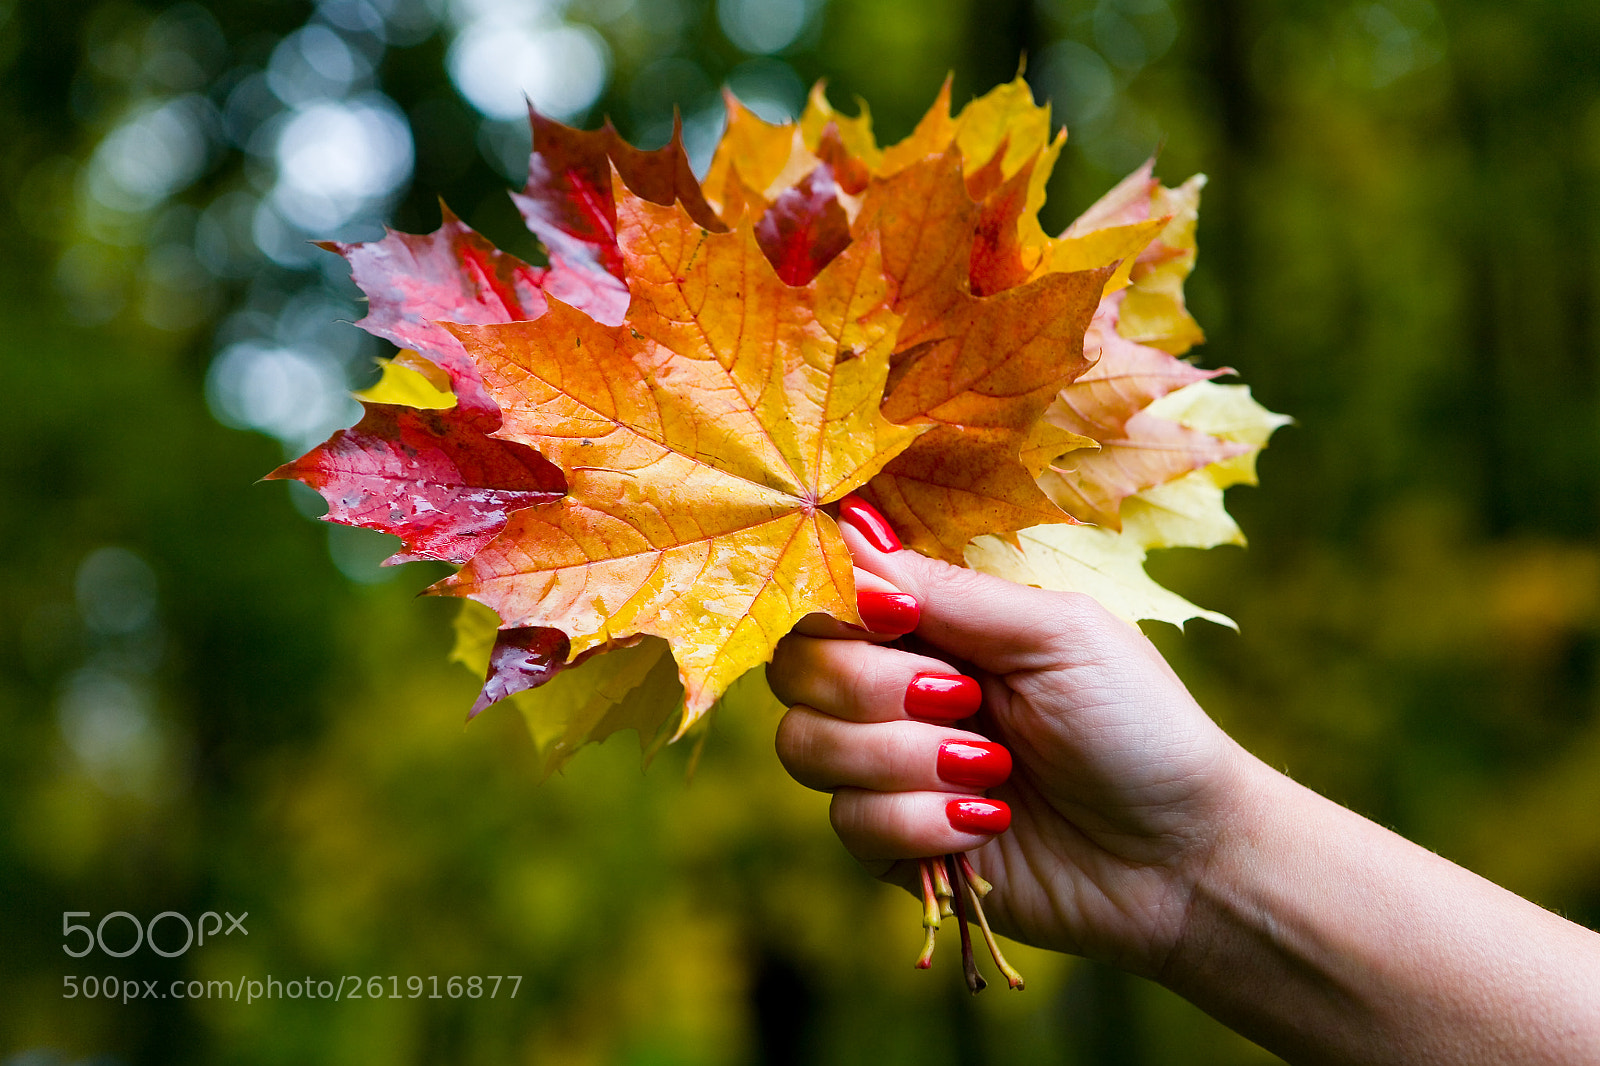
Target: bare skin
[(1144, 837)]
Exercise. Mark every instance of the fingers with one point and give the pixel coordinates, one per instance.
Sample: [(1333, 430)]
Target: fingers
[(880, 827), (902, 787), (995, 624), (825, 753), (868, 682)]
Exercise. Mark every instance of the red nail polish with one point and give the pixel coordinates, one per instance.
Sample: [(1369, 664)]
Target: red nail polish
[(978, 815), (888, 612), (869, 523), (973, 763), (943, 696)]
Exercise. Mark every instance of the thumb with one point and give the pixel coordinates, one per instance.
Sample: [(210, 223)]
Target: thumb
[(995, 624)]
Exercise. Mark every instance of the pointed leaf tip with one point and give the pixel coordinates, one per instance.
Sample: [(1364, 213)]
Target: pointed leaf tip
[(431, 477)]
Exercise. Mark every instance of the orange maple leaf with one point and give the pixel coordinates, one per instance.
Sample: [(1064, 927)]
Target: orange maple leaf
[(699, 441)]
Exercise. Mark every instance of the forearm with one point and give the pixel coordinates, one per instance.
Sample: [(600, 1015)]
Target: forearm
[(1330, 939)]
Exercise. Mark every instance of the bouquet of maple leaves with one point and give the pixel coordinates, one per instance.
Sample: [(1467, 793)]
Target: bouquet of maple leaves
[(634, 453)]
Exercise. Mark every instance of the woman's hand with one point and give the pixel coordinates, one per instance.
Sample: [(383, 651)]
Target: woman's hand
[(1140, 835), (1119, 785)]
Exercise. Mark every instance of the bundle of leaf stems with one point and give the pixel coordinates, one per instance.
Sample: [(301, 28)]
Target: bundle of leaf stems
[(949, 883)]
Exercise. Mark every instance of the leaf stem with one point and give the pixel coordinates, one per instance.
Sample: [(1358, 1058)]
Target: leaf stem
[(1013, 978), (969, 965)]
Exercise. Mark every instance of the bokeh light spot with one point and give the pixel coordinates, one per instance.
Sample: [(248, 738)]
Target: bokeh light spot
[(563, 69)]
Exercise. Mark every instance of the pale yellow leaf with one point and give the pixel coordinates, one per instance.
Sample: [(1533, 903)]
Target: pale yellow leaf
[(1097, 562), (1096, 248), (1226, 411), (1186, 512)]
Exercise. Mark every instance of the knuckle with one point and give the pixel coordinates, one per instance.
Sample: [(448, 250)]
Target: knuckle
[(965, 583), (1082, 609), (795, 740)]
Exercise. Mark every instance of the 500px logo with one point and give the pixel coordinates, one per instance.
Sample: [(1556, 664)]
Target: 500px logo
[(146, 933)]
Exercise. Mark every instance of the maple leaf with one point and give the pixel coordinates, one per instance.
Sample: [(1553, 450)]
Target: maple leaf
[(748, 159), (433, 478), (699, 442), (409, 380), (1090, 484), (960, 224), (1228, 412), (414, 282), (853, 135), (1186, 511), (632, 451), (1154, 312), (1111, 404), (438, 481)]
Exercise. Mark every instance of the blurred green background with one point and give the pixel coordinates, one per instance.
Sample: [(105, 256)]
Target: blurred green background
[(209, 702)]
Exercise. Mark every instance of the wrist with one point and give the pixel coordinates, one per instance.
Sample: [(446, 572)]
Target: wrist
[(1251, 816)]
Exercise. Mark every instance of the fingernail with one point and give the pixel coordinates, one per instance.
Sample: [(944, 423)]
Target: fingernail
[(978, 815), (888, 612), (943, 696), (973, 763), (872, 525)]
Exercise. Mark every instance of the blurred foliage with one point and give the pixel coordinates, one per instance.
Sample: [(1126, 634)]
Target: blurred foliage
[(208, 702)]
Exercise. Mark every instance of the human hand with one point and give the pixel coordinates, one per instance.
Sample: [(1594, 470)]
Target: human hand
[(1121, 785)]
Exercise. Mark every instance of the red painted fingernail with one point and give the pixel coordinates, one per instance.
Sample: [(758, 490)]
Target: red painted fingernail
[(872, 525), (973, 763), (978, 815), (943, 696), (888, 612)]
